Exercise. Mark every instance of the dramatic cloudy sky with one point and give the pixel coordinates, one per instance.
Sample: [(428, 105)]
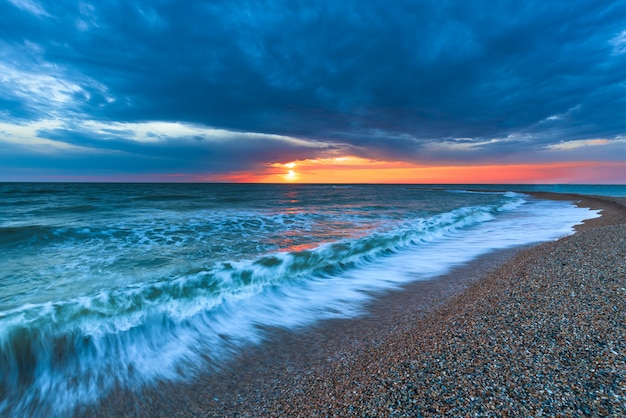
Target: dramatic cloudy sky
[(317, 90)]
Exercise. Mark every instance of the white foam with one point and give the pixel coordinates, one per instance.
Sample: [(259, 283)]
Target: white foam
[(157, 337)]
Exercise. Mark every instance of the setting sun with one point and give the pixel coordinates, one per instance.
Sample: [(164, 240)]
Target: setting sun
[(291, 176)]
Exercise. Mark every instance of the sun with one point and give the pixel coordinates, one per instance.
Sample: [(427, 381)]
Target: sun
[(291, 176)]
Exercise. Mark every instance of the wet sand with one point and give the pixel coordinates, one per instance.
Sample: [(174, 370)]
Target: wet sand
[(528, 331)]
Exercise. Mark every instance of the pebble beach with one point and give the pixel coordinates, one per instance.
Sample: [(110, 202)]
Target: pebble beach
[(538, 331)]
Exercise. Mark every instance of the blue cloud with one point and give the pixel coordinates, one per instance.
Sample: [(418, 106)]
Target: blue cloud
[(373, 77)]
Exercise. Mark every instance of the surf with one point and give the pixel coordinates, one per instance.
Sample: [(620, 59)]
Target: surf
[(168, 320)]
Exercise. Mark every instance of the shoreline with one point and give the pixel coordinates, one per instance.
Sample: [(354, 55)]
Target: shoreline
[(391, 357)]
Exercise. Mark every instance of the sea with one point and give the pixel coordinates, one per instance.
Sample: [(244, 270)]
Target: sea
[(108, 286)]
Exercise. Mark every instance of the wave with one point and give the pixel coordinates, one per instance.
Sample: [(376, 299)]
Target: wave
[(56, 354), (14, 236), (33, 235), (164, 197)]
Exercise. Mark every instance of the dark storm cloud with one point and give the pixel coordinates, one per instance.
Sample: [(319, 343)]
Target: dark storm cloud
[(383, 79)]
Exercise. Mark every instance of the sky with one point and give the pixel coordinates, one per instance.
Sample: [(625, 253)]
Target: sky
[(331, 91)]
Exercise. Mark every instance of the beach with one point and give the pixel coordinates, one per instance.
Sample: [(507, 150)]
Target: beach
[(531, 331)]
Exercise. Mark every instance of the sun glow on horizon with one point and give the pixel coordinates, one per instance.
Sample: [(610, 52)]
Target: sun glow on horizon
[(352, 169), (291, 176)]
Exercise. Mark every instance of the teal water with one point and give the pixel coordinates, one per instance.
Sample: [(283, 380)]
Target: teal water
[(125, 284), (614, 190)]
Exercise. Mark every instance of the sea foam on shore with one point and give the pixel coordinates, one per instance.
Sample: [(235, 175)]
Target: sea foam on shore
[(116, 287), (542, 334)]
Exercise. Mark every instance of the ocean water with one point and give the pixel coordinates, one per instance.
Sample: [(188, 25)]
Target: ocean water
[(105, 285), (614, 190)]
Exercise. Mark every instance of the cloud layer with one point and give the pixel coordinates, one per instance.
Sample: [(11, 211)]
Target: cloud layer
[(216, 87)]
